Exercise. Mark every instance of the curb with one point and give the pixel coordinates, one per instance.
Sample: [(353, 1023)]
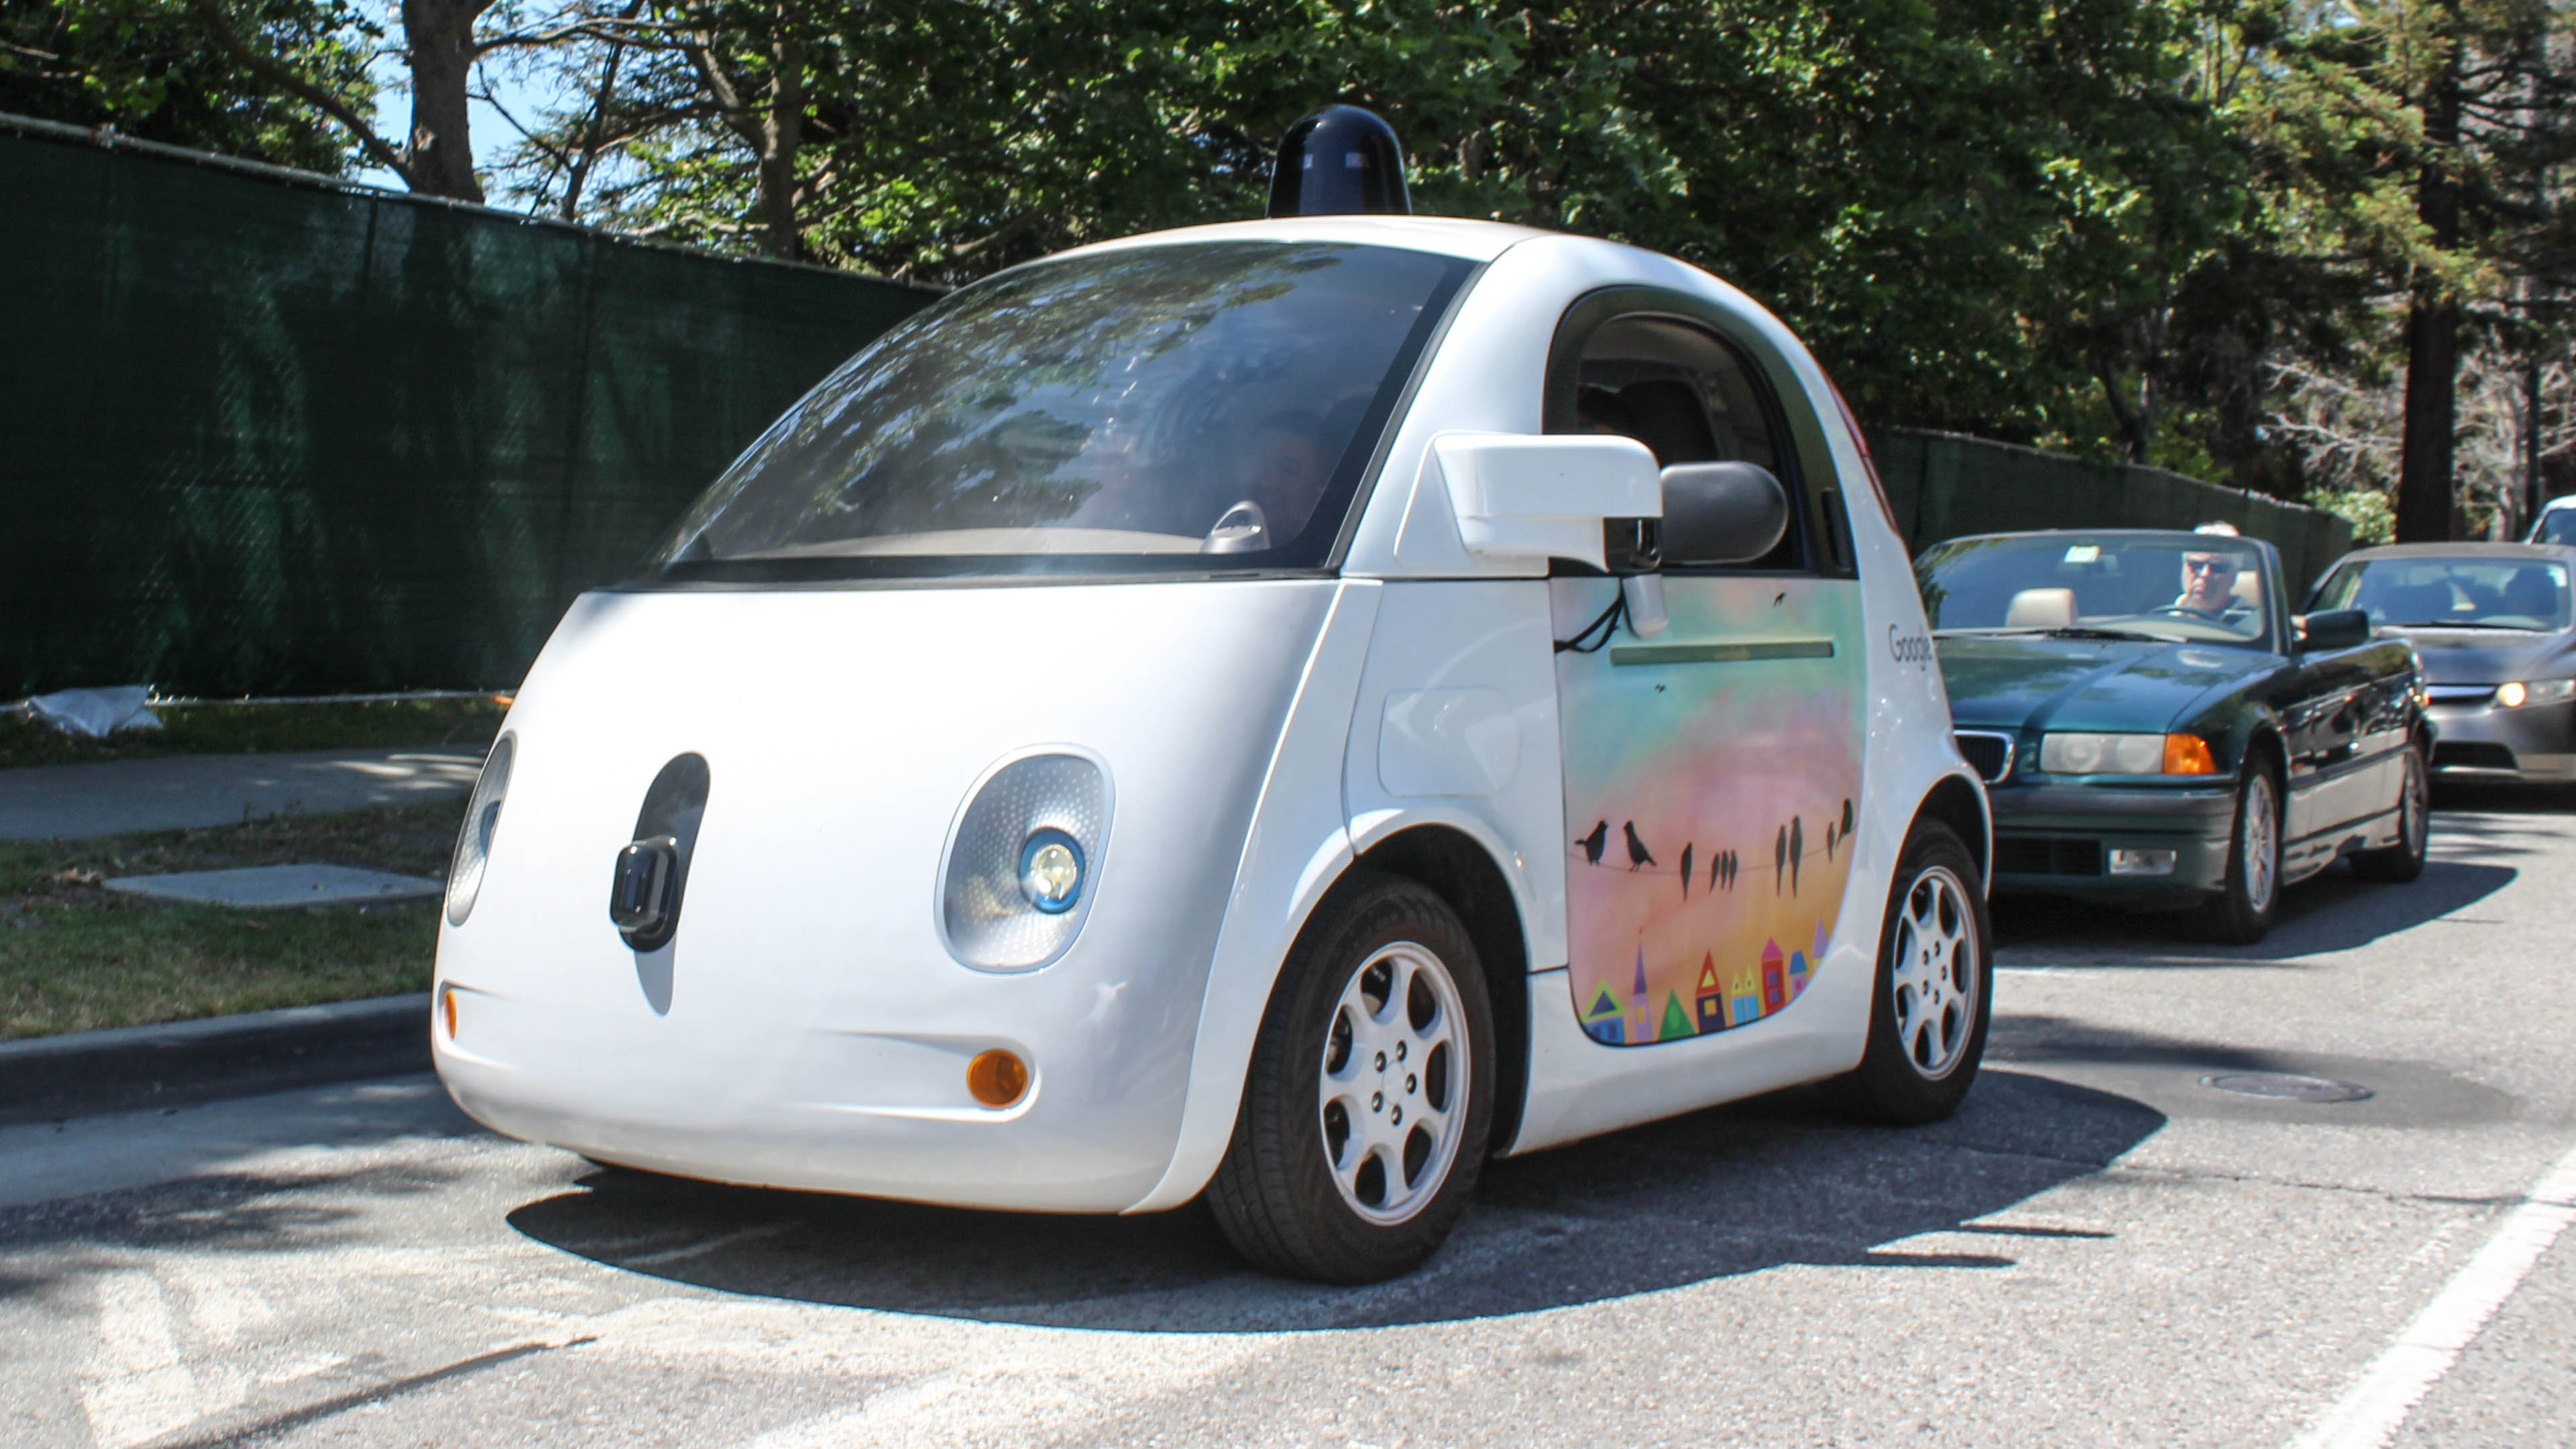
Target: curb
[(77, 1074)]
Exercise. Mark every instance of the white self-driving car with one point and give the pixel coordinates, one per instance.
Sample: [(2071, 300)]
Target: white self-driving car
[(1281, 711)]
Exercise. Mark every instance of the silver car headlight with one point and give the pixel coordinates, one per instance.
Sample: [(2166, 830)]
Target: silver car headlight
[(1023, 861), (474, 838), (2066, 752), (2535, 691)]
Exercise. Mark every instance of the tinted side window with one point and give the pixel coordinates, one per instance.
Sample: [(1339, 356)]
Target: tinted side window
[(1688, 396)]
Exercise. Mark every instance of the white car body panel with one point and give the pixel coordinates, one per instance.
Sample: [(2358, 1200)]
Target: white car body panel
[(1261, 736)]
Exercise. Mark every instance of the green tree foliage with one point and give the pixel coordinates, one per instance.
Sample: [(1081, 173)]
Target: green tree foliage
[(1979, 212), (2122, 227), (144, 67)]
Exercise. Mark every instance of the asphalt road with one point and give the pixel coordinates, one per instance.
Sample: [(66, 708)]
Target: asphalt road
[(2099, 1250)]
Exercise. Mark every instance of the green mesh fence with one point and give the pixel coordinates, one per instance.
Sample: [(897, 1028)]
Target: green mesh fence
[(1944, 485), (261, 433), (266, 434)]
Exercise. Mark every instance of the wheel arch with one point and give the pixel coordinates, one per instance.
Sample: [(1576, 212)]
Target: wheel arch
[(1959, 804), (2264, 741), (1456, 867)]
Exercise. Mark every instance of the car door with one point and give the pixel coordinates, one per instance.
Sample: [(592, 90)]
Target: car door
[(1713, 771), (2343, 732)]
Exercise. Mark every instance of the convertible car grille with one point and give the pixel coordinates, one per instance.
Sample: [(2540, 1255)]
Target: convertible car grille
[(2046, 855), (1986, 752), (2460, 693)]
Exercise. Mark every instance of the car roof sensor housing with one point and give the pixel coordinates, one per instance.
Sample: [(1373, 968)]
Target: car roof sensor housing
[(1339, 161)]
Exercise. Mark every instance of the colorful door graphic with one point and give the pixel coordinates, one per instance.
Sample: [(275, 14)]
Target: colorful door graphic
[(1712, 776)]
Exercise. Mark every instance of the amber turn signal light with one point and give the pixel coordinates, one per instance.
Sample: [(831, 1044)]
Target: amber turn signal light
[(997, 1078), (447, 1006), (2188, 755)]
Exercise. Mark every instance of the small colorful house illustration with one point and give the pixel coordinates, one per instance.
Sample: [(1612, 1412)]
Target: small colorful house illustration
[(1797, 973), (1709, 996), (1641, 1004), (1744, 999), (1775, 978), (1605, 1022), (1677, 1022)]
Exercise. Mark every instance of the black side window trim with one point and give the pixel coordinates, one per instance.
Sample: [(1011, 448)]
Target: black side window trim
[(1807, 459)]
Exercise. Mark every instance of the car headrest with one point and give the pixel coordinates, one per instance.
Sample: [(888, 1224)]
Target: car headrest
[(1667, 416), (2249, 588), (2041, 609)]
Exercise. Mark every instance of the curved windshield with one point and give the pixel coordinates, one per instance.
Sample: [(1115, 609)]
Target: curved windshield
[(2202, 587), (1159, 408), (2557, 525), (2452, 593)]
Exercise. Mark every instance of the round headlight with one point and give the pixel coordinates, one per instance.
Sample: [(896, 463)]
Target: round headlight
[(474, 839), (1017, 879), (1051, 871), (2512, 695)]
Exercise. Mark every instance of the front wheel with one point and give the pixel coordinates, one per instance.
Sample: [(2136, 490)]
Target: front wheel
[(2402, 862), (2242, 911), (1927, 1023), (1371, 1093)]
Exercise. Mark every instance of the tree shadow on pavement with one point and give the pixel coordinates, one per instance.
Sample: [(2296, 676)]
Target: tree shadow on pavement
[(1731, 1190)]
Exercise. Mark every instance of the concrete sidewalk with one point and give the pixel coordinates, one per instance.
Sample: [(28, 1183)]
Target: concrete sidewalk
[(72, 802)]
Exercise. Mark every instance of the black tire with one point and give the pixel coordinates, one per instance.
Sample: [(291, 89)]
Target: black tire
[(2242, 911), (2404, 861), (1278, 1196), (1929, 1013)]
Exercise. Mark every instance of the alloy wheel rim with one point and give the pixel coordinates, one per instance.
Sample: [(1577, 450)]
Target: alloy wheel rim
[(2262, 857), (1935, 973), (1391, 1099)]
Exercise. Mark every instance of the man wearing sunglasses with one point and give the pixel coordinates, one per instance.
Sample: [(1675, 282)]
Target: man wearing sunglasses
[(2209, 579)]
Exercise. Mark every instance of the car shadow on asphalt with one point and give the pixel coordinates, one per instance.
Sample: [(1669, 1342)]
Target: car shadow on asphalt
[(1737, 1189), (2330, 912)]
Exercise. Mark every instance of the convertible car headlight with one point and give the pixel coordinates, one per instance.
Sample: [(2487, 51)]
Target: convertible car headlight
[(2069, 753), (2535, 691), (474, 838), (1017, 880)]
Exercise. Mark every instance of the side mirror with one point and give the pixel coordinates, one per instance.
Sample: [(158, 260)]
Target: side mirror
[(2334, 629), (1722, 513), (1530, 499)]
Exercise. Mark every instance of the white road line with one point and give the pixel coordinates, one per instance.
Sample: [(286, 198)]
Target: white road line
[(136, 1387), (2371, 1410)]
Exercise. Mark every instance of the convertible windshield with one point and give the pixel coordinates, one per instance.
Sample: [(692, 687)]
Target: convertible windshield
[(2189, 586), (1138, 410), (2452, 593)]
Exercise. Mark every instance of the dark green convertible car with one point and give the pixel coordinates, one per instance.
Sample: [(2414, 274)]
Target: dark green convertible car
[(2152, 722)]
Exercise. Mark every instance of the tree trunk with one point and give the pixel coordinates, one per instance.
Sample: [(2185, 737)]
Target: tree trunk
[(782, 131), (440, 35), (2424, 460), (2425, 482)]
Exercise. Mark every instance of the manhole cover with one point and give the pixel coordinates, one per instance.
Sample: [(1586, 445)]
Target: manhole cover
[(2285, 1086)]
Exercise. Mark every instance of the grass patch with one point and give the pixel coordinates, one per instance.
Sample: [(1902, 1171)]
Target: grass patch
[(246, 729), (74, 956)]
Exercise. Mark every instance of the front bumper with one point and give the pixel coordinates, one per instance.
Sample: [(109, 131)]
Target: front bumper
[(796, 1099), (2485, 741), (2057, 838)]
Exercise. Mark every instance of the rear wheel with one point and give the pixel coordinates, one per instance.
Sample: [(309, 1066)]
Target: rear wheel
[(2404, 861), (1927, 1025), (1370, 1096), (2242, 911)]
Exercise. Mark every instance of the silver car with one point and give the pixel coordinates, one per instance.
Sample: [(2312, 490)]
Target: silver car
[(2494, 627)]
